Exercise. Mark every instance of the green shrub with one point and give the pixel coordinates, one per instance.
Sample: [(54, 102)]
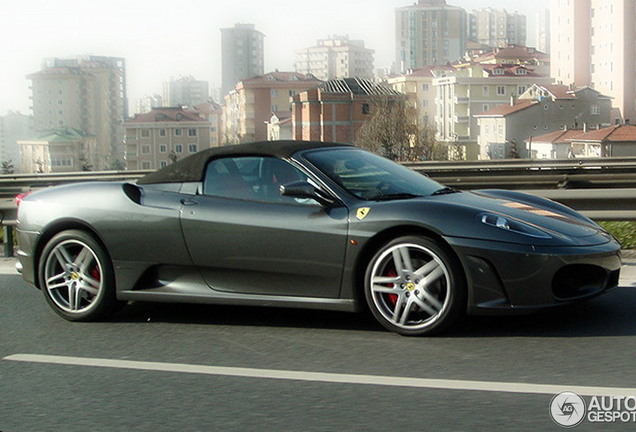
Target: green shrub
[(624, 231)]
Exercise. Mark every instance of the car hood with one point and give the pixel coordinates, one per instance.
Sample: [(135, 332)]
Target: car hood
[(544, 214)]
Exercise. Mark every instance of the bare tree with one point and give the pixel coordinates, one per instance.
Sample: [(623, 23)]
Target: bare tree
[(393, 132)]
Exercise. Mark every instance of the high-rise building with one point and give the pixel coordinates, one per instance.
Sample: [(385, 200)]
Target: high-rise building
[(429, 33), (87, 93), (185, 91), (542, 29), (336, 57), (497, 28), (148, 102), (593, 42), (242, 54)]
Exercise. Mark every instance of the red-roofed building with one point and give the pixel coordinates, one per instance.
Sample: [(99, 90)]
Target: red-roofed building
[(553, 145), (519, 55), (505, 129), (155, 139), (617, 140)]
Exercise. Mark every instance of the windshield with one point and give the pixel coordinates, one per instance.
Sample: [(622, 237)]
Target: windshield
[(371, 177)]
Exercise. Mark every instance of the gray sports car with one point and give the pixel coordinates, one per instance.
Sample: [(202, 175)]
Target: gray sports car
[(311, 225)]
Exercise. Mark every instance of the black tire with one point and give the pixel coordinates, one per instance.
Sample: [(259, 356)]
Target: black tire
[(414, 286), (77, 278)]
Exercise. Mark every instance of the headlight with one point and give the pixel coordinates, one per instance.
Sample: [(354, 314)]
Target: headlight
[(512, 225)]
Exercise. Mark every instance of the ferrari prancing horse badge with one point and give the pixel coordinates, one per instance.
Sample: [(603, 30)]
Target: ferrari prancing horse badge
[(362, 212)]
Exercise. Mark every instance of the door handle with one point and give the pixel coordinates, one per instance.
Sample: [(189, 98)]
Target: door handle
[(189, 202)]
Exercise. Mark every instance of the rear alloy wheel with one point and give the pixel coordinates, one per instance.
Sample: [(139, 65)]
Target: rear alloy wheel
[(76, 277), (414, 287)]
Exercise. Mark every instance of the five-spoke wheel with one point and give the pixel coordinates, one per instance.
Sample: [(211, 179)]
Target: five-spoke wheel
[(413, 286), (76, 277)]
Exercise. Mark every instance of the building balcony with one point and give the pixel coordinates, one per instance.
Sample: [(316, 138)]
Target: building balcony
[(461, 99), (461, 119)]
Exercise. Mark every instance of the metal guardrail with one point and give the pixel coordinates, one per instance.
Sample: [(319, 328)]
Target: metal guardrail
[(600, 188)]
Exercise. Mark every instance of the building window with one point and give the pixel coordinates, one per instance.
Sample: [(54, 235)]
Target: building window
[(145, 149), (62, 162), (178, 132), (163, 148), (485, 90), (145, 165), (485, 107), (163, 164), (501, 90), (521, 90), (365, 108), (595, 110), (145, 133), (162, 132), (192, 132), (193, 148), (521, 71), (178, 148), (424, 87)]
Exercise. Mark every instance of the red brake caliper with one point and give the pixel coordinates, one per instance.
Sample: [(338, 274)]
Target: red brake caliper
[(392, 298), (95, 274)]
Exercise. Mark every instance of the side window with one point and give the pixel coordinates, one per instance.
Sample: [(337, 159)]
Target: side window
[(251, 178)]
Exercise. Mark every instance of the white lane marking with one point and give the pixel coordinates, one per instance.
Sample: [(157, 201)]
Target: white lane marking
[(394, 381)]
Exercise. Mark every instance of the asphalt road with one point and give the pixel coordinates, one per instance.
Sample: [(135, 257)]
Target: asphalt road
[(208, 368)]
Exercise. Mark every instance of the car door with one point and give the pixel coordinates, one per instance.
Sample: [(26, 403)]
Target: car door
[(247, 238)]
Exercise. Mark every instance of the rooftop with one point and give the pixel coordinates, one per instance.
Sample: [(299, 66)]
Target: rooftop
[(357, 86)]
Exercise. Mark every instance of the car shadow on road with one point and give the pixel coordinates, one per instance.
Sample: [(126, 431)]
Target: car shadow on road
[(244, 316), (608, 315)]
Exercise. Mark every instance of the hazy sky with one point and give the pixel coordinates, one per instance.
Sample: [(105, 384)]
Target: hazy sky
[(161, 38)]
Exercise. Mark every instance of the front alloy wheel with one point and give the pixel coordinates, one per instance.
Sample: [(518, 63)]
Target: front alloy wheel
[(76, 277), (413, 286)]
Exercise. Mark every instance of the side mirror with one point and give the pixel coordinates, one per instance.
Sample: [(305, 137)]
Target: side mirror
[(304, 190)]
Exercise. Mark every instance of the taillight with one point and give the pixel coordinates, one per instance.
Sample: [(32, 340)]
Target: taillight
[(20, 197)]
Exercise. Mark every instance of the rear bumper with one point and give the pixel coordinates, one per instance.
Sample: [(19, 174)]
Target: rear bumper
[(505, 277)]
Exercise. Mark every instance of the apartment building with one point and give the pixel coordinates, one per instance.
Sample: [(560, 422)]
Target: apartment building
[(334, 111), (185, 91), (87, 93), (336, 57), (62, 149), (593, 42), (164, 135), (540, 110), (417, 85), (251, 104), (474, 89), (429, 33), (242, 54), (497, 28), (213, 112)]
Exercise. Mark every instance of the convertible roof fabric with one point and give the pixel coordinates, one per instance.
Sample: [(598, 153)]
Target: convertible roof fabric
[(191, 168)]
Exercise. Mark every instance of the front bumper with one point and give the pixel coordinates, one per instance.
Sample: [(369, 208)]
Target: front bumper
[(505, 276)]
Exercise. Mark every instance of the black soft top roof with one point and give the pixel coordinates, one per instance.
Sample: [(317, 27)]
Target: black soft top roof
[(191, 168)]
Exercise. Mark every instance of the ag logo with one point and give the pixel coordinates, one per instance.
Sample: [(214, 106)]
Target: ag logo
[(362, 212), (567, 409)]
